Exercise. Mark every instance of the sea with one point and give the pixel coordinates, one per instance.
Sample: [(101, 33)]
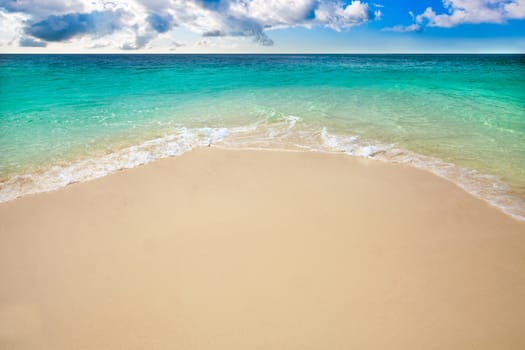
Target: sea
[(72, 118)]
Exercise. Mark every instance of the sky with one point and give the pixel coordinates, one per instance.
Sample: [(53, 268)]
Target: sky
[(262, 26)]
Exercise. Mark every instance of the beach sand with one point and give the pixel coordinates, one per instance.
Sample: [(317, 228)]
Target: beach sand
[(224, 249)]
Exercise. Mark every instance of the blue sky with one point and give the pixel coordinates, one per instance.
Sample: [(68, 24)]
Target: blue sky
[(262, 26)]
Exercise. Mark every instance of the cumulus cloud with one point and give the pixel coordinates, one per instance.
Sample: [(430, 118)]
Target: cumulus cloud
[(42, 8), (64, 27), (11, 27), (466, 11), (253, 18), (337, 16), (138, 22), (233, 26)]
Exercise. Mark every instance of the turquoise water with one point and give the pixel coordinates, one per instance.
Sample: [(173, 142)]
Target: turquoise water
[(69, 118)]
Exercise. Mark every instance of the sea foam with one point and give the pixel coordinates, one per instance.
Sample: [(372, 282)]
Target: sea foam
[(285, 132)]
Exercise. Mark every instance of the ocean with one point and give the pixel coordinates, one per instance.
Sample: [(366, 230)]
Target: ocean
[(72, 118)]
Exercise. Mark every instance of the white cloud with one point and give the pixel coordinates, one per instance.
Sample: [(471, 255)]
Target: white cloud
[(272, 12), (515, 9), (403, 29), (338, 16), (466, 11), (133, 24), (11, 27)]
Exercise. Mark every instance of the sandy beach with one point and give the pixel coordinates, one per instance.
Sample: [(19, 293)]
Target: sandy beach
[(225, 249)]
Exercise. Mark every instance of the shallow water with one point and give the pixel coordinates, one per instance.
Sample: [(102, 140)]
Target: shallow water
[(69, 118)]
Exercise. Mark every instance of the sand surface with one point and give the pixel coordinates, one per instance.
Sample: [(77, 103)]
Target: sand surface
[(246, 250)]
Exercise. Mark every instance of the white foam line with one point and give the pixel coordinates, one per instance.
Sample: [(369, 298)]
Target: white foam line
[(274, 136)]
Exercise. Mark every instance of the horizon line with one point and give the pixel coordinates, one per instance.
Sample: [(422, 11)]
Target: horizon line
[(264, 53)]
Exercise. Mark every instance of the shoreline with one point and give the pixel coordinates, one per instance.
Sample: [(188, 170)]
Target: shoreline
[(237, 249), (487, 187)]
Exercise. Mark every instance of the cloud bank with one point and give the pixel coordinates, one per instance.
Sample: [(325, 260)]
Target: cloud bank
[(133, 24)]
